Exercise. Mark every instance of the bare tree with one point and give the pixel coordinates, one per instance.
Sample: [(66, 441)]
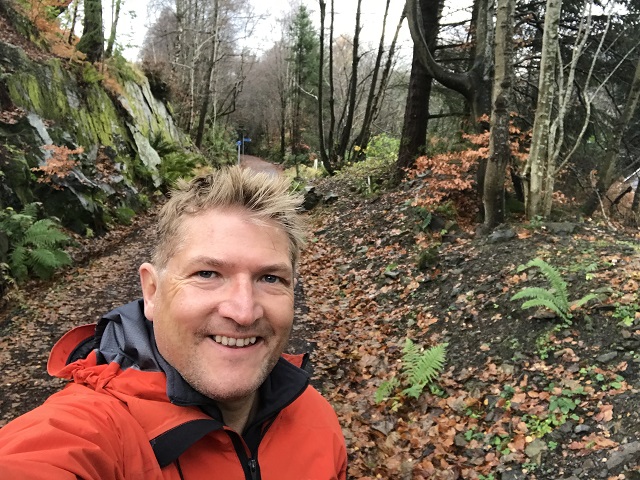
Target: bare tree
[(376, 90), (416, 114), (499, 145), (115, 17), (196, 45), (550, 151), (92, 41)]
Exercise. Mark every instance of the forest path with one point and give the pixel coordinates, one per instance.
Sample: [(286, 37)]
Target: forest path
[(260, 165)]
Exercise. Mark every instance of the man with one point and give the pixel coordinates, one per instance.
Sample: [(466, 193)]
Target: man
[(189, 382)]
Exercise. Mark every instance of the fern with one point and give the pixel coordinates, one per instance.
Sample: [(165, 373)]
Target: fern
[(44, 233), (555, 298), (18, 263), (33, 245), (539, 297), (419, 369), (385, 389)]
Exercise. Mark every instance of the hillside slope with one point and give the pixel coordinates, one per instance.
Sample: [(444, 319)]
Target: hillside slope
[(522, 395)]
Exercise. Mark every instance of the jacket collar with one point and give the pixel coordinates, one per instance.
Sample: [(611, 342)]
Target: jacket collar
[(125, 337)]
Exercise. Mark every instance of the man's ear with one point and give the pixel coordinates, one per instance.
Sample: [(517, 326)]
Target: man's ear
[(149, 284)]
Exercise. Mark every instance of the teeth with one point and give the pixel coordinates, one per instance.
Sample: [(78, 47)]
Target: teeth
[(235, 342)]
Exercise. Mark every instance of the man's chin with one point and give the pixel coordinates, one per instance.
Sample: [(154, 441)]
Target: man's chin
[(231, 397)]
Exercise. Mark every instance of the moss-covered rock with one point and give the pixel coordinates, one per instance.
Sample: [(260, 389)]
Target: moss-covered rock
[(67, 105)]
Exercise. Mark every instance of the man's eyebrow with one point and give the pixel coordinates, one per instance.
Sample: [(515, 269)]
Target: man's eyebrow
[(209, 261), (279, 267)]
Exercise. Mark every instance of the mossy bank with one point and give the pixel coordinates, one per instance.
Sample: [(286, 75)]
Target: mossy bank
[(106, 113)]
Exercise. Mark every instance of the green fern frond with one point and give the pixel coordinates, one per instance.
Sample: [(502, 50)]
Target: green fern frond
[(535, 292), (18, 263), (43, 257), (585, 299), (386, 389), (42, 271), (44, 233), (15, 224), (62, 258), (421, 368), (410, 354), (31, 210), (540, 302), (554, 278), (556, 295)]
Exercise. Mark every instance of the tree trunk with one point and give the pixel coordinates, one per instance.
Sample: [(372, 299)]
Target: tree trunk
[(74, 19), (474, 84), (341, 150), (416, 113), (363, 137), (114, 25), (92, 41), (537, 168), (324, 154), (499, 145), (635, 207), (204, 108), (610, 164)]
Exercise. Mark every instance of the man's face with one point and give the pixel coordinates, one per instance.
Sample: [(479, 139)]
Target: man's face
[(222, 309)]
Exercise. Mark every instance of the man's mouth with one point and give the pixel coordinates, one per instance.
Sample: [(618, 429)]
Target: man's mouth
[(234, 342)]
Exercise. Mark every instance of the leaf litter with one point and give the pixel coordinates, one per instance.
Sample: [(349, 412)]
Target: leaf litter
[(518, 397)]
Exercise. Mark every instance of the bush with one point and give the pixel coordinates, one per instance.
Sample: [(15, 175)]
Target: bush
[(305, 173), (176, 162), (29, 245), (378, 170), (218, 146)]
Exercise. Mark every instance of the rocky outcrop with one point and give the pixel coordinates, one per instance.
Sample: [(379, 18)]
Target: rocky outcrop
[(61, 103)]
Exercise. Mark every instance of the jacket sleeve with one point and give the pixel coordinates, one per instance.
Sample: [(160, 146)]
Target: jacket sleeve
[(73, 435)]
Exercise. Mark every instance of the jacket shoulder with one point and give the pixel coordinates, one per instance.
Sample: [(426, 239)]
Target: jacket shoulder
[(80, 432), (310, 427)]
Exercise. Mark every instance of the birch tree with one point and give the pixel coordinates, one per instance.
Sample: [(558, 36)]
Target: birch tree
[(559, 87), (538, 169)]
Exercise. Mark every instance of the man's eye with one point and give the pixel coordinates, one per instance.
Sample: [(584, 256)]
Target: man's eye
[(206, 274), (271, 279)]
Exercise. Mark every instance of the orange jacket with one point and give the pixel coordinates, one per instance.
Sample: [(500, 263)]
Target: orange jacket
[(116, 421)]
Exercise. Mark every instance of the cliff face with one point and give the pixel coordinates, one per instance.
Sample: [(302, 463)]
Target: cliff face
[(49, 107)]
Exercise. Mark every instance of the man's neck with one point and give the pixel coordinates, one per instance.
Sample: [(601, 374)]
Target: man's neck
[(237, 415)]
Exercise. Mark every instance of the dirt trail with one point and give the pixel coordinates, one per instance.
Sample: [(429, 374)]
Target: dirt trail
[(260, 165)]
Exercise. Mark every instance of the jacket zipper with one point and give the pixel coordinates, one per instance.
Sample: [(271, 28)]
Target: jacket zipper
[(253, 468), (249, 464)]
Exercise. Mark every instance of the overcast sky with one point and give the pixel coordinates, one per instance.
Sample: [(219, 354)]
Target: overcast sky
[(133, 31), (371, 19)]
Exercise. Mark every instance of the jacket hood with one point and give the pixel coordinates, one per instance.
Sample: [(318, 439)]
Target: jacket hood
[(125, 337), (119, 356)]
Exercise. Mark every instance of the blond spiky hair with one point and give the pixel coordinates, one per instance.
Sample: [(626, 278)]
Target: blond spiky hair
[(264, 196)]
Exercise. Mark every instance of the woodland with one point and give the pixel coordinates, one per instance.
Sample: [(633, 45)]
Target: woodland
[(469, 291)]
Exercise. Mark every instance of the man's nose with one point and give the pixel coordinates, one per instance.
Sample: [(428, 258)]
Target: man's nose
[(240, 304)]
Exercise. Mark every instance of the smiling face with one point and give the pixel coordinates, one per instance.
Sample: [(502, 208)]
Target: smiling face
[(222, 308)]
